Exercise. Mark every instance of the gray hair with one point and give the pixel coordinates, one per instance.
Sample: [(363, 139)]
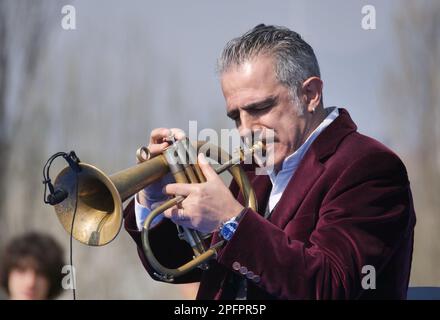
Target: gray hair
[(295, 60)]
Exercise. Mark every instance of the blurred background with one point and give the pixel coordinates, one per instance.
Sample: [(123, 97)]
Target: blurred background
[(131, 66)]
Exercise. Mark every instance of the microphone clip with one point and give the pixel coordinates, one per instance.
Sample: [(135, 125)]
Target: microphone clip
[(58, 195)]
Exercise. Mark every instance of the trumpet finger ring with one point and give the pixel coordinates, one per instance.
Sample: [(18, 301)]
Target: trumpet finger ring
[(143, 154)]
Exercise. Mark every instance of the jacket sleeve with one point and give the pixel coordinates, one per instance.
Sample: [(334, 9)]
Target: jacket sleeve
[(362, 220), (169, 250)]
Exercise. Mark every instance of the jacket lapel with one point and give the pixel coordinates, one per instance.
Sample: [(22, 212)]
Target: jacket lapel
[(262, 186), (304, 178)]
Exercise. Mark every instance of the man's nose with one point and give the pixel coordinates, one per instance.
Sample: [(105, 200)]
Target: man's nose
[(248, 124)]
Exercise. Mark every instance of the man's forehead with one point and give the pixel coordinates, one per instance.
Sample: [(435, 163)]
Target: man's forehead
[(249, 84)]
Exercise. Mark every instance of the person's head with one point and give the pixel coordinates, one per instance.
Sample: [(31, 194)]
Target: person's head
[(31, 267), (270, 78)]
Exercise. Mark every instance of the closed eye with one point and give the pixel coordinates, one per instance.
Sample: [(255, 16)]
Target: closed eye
[(260, 109), (255, 109)]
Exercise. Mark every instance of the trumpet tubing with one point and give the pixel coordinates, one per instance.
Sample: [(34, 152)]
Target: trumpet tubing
[(94, 202)]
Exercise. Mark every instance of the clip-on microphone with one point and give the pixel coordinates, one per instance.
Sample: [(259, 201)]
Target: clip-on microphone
[(58, 195)]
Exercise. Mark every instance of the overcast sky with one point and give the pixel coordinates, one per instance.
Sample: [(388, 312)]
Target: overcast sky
[(184, 39)]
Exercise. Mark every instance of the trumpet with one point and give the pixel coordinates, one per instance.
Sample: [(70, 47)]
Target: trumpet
[(93, 210)]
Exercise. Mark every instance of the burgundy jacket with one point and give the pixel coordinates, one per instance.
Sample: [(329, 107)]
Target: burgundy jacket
[(347, 206)]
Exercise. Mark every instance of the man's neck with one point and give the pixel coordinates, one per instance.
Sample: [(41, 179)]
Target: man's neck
[(310, 125), (316, 119)]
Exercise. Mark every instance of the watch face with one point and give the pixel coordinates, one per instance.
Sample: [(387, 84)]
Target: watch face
[(228, 230)]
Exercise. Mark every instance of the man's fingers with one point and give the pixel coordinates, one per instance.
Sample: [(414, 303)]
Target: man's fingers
[(156, 149), (158, 139), (206, 168), (169, 213), (179, 134), (178, 216), (157, 144), (158, 134), (179, 189)]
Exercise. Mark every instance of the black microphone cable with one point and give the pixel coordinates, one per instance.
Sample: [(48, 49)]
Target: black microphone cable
[(71, 238), (58, 195)]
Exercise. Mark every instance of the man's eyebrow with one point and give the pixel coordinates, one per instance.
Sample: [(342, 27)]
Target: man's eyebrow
[(266, 102), (261, 104), (233, 114)]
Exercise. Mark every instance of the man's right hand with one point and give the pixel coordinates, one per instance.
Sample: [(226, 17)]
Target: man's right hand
[(158, 143)]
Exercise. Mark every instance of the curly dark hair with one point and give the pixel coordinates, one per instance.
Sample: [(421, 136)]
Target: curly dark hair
[(45, 253)]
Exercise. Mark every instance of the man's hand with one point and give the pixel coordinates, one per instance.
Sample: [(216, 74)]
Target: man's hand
[(207, 204), (158, 143)]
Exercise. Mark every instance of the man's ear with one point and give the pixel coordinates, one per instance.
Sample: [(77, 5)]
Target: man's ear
[(312, 92)]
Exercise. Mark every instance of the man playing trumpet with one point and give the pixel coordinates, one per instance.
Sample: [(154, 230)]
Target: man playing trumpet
[(337, 203)]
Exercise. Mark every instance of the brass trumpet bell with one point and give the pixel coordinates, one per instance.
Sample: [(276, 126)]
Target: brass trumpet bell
[(98, 212)]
